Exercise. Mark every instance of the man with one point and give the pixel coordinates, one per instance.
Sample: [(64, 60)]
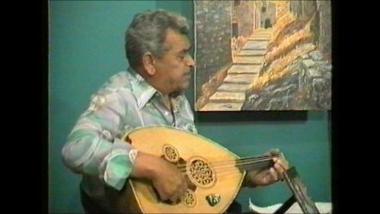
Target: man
[(149, 93)]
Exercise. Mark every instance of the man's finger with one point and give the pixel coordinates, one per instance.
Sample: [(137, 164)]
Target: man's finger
[(281, 162), (280, 171), (174, 198), (273, 173)]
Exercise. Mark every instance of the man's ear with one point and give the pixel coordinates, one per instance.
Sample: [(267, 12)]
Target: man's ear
[(148, 63)]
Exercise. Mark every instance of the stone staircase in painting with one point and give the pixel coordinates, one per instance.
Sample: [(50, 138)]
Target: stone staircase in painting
[(247, 63)]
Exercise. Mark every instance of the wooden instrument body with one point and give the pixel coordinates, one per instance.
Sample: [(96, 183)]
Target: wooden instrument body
[(210, 182)]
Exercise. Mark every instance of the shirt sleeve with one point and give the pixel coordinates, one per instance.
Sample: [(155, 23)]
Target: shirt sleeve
[(94, 146)]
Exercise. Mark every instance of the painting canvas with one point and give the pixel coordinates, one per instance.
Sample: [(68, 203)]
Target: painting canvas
[(260, 55)]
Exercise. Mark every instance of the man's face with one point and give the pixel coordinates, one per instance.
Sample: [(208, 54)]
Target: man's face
[(174, 67)]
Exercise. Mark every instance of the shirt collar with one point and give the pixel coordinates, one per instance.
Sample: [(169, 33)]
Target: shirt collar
[(141, 89)]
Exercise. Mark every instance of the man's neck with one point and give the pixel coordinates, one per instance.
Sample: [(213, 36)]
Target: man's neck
[(167, 102), (149, 80)]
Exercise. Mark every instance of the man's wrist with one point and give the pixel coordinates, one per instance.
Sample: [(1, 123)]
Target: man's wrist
[(132, 155)]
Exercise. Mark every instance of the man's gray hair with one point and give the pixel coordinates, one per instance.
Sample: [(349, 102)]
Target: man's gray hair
[(147, 33)]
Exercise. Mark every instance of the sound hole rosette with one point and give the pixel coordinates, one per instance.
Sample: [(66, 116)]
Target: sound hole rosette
[(200, 172), (170, 153), (189, 199)]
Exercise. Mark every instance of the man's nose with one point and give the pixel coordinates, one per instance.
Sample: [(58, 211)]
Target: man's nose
[(190, 62)]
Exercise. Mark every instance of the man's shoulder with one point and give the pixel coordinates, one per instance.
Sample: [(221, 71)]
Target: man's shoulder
[(114, 90), (114, 85), (118, 80)]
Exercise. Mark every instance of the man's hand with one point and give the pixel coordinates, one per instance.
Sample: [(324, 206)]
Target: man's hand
[(166, 178), (269, 176)]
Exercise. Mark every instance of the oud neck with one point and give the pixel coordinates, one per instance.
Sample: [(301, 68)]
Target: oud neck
[(251, 163)]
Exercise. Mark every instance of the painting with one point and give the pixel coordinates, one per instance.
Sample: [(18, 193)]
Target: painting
[(261, 55)]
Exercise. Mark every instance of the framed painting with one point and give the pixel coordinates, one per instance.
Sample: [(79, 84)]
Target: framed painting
[(261, 55)]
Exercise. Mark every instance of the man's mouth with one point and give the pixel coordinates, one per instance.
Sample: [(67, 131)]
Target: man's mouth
[(187, 76)]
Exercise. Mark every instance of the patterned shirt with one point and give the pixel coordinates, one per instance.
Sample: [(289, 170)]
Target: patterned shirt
[(125, 102)]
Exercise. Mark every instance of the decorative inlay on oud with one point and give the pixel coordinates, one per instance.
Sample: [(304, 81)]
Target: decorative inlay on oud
[(200, 172), (213, 199), (170, 153), (189, 199)]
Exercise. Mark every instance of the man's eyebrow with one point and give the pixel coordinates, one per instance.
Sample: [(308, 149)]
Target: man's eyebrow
[(186, 49)]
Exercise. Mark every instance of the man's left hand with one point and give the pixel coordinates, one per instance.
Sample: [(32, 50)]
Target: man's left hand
[(268, 176)]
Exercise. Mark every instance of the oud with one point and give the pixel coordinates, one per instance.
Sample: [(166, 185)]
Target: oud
[(213, 173)]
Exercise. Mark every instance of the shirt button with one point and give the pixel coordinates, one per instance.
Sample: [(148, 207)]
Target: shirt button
[(166, 113)]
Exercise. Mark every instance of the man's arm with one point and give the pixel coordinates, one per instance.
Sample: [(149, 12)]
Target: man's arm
[(93, 147)]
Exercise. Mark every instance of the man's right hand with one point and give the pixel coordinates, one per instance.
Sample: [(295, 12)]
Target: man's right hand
[(166, 178)]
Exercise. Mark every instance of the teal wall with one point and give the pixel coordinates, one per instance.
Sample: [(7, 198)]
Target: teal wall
[(86, 47)]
